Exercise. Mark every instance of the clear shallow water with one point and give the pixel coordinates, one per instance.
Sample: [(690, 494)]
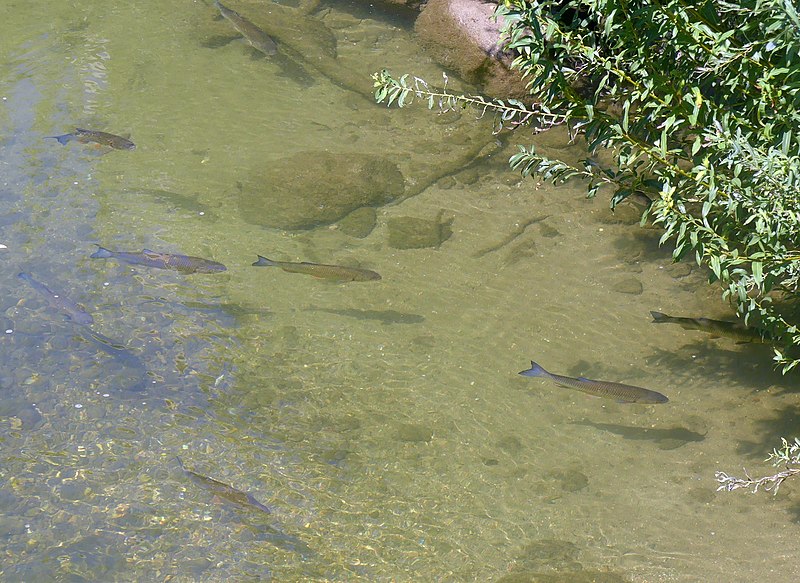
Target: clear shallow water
[(384, 423)]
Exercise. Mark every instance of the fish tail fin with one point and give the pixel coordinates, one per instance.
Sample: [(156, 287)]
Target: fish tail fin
[(101, 253), (263, 261), (658, 317), (535, 371), (63, 140)]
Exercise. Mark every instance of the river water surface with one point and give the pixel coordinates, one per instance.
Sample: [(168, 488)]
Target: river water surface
[(383, 423)]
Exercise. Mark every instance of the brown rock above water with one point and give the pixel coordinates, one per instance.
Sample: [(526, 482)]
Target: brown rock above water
[(462, 35), (311, 189)]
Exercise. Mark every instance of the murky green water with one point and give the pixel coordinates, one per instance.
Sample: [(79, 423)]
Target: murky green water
[(383, 423)]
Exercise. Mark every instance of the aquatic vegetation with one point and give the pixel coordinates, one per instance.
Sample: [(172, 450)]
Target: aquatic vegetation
[(695, 101), (788, 456)]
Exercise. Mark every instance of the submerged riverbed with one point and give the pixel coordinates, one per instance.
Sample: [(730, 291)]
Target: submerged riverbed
[(381, 423)]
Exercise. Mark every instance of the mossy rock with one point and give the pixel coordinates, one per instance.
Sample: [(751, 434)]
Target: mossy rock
[(310, 189), (359, 223), (416, 233)]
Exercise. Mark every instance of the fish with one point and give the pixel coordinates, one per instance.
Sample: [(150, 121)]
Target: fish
[(257, 38), (102, 138), (182, 263), (716, 328), (115, 350), (617, 391), (177, 201), (238, 497), (383, 316), (60, 302), (320, 270)]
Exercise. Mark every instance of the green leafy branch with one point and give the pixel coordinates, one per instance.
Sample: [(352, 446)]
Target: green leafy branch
[(509, 113)]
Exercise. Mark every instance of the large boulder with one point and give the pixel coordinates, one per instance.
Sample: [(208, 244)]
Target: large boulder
[(309, 189), (463, 36)]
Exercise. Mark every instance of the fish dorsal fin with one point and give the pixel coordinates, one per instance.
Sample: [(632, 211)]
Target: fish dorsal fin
[(149, 252)]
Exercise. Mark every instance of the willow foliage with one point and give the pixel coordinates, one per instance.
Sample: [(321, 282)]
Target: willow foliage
[(698, 102)]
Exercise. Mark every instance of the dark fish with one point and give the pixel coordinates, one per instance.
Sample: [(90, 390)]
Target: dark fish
[(114, 349), (257, 38), (617, 391), (321, 271), (383, 316), (73, 311), (102, 138), (224, 491), (176, 200), (182, 263), (669, 436), (716, 328)]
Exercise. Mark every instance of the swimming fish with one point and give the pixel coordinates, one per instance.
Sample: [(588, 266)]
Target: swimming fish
[(716, 328), (617, 391), (257, 38), (224, 491), (115, 350), (146, 257), (320, 270), (102, 138), (60, 302), (383, 316)]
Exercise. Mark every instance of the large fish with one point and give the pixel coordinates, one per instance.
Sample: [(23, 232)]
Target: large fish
[(224, 491), (320, 270), (617, 391), (148, 258), (735, 330), (60, 302), (102, 138), (257, 38)]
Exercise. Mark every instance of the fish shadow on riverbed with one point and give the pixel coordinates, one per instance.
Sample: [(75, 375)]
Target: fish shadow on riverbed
[(671, 438), (289, 67)]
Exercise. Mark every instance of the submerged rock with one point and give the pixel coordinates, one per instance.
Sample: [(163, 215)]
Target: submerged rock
[(415, 233), (359, 223), (310, 189), (412, 432)]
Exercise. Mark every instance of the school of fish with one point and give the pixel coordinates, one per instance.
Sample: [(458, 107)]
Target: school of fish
[(267, 46)]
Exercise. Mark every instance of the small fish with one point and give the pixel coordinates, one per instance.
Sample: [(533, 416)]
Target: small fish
[(383, 316), (621, 393), (115, 350), (257, 38), (73, 311), (224, 491), (177, 201), (181, 263), (321, 271), (102, 138), (716, 328)]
